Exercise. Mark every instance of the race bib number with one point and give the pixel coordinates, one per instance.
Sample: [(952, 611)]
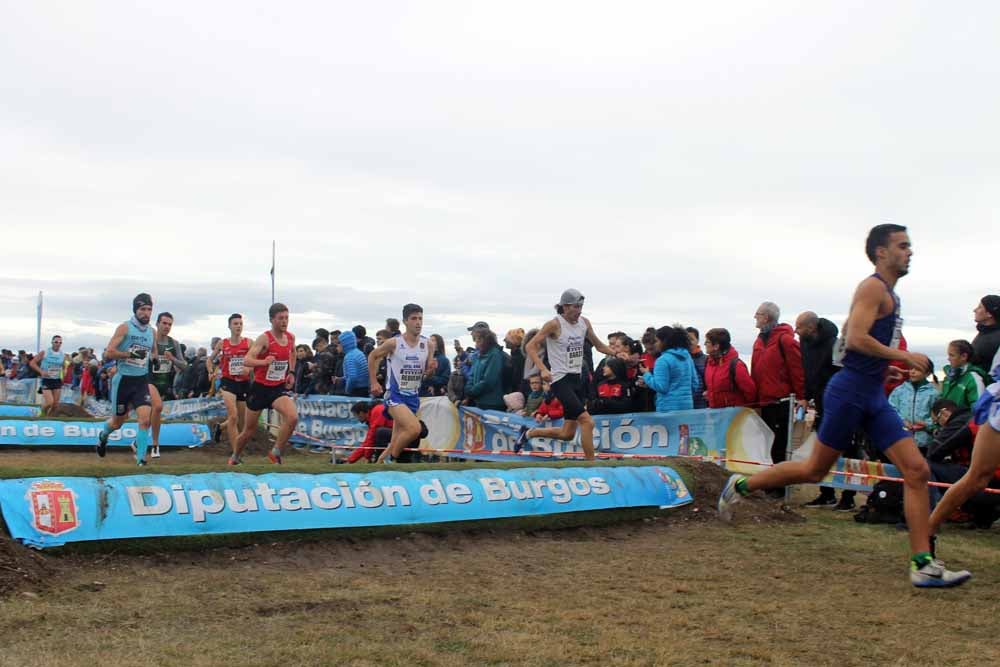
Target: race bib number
[(574, 354), (236, 366), (162, 365), (897, 333), (277, 370), (409, 381), (137, 363), (53, 374)]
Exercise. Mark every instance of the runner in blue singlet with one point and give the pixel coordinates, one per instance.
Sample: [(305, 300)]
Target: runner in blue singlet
[(131, 347), (410, 356), (854, 399)]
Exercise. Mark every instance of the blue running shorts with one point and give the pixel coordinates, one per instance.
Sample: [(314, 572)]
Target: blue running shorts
[(853, 402)]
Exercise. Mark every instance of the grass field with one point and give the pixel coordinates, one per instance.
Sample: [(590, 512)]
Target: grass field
[(638, 588)]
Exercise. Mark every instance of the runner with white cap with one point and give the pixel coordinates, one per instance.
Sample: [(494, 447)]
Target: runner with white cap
[(564, 337)]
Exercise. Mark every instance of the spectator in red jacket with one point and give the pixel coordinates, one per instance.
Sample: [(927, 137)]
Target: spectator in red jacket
[(375, 416), (727, 380), (776, 369), (551, 408)]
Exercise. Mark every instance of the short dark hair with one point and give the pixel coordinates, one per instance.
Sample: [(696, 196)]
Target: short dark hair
[(410, 309), (275, 309), (165, 313), (692, 330), (673, 337), (962, 347), (234, 316), (719, 337), (943, 404), (319, 339), (878, 237), (392, 324), (53, 338), (360, 331), (488, 336), (383, 333), (363, 406)]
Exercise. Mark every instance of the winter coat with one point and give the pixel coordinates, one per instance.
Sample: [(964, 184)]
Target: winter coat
[(437, 384), (913, 403), (551, 407), (533, 401), (614, 395), (485, 385), (776, 365), (953, 441), (817, 359), (700, 359), (963, 385), (355, 363), (674, 379), (985, 345), (719, 381)]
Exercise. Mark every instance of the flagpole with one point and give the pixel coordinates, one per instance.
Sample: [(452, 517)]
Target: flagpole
[(38, 328), (272, 271)]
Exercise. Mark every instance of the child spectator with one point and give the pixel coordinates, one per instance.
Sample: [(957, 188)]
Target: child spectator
[(964, 381), (614, 390), (551, 408), (535, 395), (913, 401)]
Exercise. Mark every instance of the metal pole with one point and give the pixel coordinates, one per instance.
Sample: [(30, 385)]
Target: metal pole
[(788, 440), (272, 271), (38, 346)]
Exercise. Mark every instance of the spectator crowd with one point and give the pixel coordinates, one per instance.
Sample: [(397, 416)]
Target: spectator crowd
[(662, 369)]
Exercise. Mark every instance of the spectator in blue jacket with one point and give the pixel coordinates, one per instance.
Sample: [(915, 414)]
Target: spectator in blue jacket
[(436, 384), (355, 366), (485, 386), (674, 378), (913, 401)]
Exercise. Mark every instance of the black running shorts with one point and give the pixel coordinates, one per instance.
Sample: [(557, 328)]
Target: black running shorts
[(569, 391)]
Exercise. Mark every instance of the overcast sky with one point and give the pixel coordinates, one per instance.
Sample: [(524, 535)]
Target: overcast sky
[(673, 161)]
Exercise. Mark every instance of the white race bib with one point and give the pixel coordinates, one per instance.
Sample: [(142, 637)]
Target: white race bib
[(162, 365), (53, 374), (277, 370), (897, 333), (574, 354), (138, 363), (236, 365), (410, 379)]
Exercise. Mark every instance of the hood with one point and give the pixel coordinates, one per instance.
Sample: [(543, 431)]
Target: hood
[(724, 359), (348, 341), (775, 333), (617, 367), (826, 330), (678, 353)]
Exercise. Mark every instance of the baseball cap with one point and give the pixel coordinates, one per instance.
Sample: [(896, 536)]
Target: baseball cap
[(571, 297), (478, 325)]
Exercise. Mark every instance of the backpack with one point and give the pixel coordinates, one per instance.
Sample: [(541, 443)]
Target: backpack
[(885, 504)]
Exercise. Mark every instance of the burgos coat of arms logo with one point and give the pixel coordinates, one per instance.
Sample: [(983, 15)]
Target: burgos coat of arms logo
[(53, 507)]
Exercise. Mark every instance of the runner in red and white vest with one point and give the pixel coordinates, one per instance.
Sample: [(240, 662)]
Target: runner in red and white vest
[(231, 353), (272, 358)]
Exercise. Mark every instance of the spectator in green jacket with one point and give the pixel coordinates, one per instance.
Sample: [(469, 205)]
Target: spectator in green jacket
[(485, 385), (964, 381)]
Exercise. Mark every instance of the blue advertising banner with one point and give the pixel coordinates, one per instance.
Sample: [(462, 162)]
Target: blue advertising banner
[(20, 410), (43, 512), (329, 419), (18, 391), (37, 432), (708, 433)]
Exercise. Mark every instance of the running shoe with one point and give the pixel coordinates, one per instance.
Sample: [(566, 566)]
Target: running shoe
[(729, 497), (140, 463), (935, 575), (233, 461), (156, 453), (274, 456), (821, 501), (102, 444), (388, 459), (522, 440), (844, 505)]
